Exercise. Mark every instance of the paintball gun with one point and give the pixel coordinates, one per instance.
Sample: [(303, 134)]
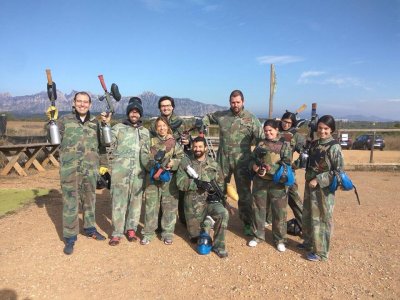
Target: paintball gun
[(110, 108), (300, 122), (159, 171), (260, 153), (52, 94), (312, 128)]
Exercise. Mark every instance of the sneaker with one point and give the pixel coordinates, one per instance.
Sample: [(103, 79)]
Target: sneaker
[(131, 235), (253, 243), (281, 247), (145, 241), (168, 242), (114, 241), (247, 230), (69, 248), (313, 257), (94, 234), (221, 253)]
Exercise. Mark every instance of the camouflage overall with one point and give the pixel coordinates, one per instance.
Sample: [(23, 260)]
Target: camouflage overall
[(164, 193), (196, 205), (79, 160), (128, 176), (267, 193), (318, 201), (236, 135)]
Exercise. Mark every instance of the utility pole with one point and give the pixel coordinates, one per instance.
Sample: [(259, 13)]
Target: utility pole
[(272, 87)]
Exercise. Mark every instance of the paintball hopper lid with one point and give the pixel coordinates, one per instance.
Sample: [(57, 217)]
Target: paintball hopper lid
[(115, 92)]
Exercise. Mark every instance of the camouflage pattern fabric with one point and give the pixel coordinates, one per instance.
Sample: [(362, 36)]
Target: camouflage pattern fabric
[(318, 201), (128, 176), (196, 206), (161, 193), (266, 193), (236, 135), (79, 160)]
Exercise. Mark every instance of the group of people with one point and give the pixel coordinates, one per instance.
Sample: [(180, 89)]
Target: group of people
[(171, 169)]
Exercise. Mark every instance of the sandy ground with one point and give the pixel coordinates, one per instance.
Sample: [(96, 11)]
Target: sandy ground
[(364, 261)]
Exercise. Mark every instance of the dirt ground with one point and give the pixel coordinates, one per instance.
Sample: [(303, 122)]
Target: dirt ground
[(364, 261)]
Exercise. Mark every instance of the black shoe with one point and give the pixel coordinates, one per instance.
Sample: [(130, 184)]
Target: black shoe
[(69, 248), (194, 240), (95, 235)]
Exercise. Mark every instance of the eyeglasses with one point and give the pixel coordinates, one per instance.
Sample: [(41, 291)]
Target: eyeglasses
[(82, 102), (287, 122)]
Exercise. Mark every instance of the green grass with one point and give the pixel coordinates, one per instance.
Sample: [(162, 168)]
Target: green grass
[(13, 199)]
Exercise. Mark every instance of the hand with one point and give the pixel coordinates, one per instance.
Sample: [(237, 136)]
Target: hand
[(256, 168), (52, 111), (105, 117), (313, 183), (185, 139), (203, 185)]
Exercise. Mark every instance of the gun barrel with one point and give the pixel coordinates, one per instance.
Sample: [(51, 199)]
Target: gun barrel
[(103, 84), (49, 79)]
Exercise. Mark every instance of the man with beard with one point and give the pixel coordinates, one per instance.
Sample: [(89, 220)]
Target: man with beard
[(201, 202), (238, 130)]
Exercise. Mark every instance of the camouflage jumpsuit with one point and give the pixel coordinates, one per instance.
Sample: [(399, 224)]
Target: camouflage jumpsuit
[(128, 176), (158, 192), (294, 200), (319, 201), (177, 125), (196, 205), (266, 192), (79, 159), (236, 134)]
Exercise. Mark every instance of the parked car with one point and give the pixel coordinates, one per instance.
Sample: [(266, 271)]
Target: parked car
[(364, 142), (345, 141)]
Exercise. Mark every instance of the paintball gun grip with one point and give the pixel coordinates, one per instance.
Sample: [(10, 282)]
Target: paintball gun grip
[(103, 84), (49, 79)]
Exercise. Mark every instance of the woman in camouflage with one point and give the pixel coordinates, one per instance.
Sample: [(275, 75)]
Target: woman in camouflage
[(264, 163), (325, 154), (161, 189)]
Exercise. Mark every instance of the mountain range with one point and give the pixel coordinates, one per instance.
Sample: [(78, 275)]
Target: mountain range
[(38, 103)]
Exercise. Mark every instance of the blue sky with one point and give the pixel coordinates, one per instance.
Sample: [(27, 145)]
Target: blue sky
[(343, 55)]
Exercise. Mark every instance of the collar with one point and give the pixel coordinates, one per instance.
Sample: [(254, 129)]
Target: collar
[(87, 117), (129, 123)]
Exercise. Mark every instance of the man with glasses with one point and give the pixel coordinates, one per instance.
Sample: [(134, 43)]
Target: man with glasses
[(79, 157)]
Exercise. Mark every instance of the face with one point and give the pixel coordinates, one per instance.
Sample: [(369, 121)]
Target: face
[(270, 132), (161, 128), (324, 131), (82, 104), (134, 116), (286, 124), (236, 104), (199, 149), (166, 108)]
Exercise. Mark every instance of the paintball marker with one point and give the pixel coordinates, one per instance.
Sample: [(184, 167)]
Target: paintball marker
[(260, 153), (300, 122), (312, 128), (52, 94), (202, 129), (160, 164), (110, 108)]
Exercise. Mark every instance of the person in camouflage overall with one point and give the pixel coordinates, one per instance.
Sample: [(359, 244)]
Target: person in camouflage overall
[(325, 154), (166, 105), (264, 163), (164, 192), (79, 160), (127, 173), (287, 125), (198, 202), (238, 129)]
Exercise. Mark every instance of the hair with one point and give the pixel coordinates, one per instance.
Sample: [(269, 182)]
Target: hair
[(199, 139), (236, 93), (291, 116), (164, 120), (329, 121), (272, 122), (166, 98), (83, 93)]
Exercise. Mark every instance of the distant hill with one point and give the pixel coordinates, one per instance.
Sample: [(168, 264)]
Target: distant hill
[(38, 103)]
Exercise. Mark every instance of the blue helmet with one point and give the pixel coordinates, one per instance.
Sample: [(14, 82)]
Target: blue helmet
[(204, 243), (284, 175)]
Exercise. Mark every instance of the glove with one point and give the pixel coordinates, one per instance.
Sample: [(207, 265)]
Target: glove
[(52, 110), (203, 185), (212, 198)]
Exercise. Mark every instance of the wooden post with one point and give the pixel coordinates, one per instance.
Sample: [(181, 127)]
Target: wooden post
[(371, 156), (271, 90)]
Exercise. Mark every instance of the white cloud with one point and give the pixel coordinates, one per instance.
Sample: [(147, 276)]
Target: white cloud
[(283, 59), (306, 76), (394, 100), (209, 8), (346, 81)]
